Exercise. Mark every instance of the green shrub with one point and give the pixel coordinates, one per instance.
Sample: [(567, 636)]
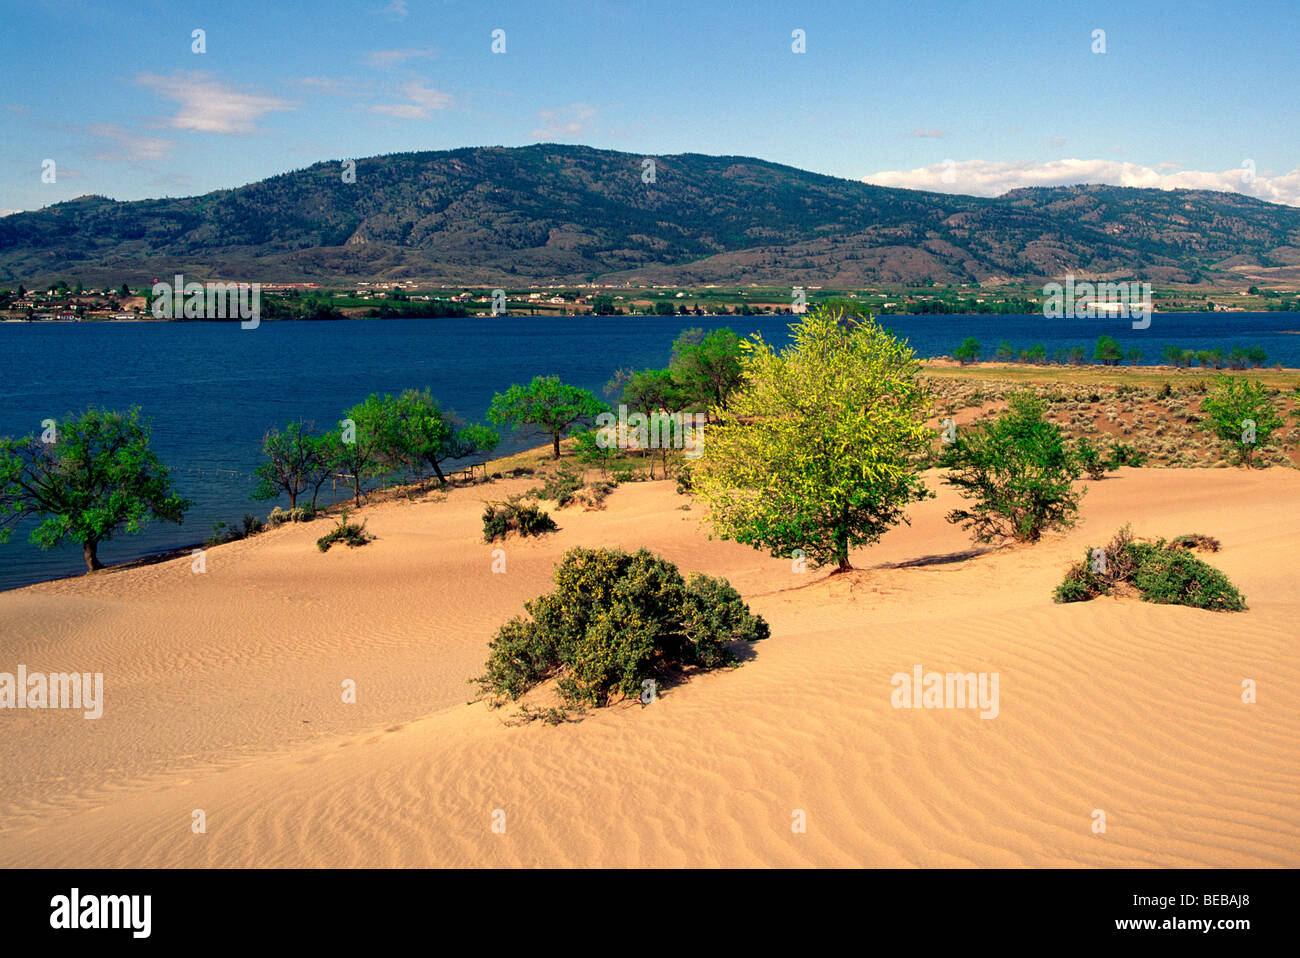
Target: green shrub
[(351, 534), (1081, 584), (532, 521), (496, 523), (1197, 542), (1124, 454), (1100, 571), (1175, 577), (280, 516), (1090, 460), (500, 518), (593, 495), (221, 532), (614, 620), (1160, 572), (684, 487), (560, 486)]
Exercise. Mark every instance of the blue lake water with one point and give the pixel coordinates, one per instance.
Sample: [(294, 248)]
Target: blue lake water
[(212, 389)]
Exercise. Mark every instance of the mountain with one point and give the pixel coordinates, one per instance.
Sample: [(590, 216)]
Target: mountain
[(497, 215)]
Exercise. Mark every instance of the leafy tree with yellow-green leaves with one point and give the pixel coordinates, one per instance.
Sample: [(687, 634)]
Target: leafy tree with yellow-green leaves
[(818, 447)]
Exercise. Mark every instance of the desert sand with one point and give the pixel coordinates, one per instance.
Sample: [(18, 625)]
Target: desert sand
[(223, 692)]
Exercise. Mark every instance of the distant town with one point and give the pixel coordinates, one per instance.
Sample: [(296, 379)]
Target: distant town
[(65, 301)]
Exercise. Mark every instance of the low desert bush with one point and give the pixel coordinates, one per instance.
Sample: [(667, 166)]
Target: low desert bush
[(1160, 571), (615, 620), (280, 516), (1197, 542), (501, 518), (1124, 454), (1090, 459), (560, 486), (684, 487), (351, 534), (593, 495), (221, 532)]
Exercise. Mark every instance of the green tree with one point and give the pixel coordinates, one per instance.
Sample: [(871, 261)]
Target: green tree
[(1038, 354), (356, 448), (296, 460), (1017, 473), (1005, 352), (664, 308), (95, 477), (550, 405), (652, 390), (415, 431), (1108, 351), (589, 451), (706, 368), (1133, 355), (1240, 413), (817, 450), (969, 350)]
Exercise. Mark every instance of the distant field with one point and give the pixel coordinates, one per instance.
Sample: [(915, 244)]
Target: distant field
[(1120, 404), (1102, 375)]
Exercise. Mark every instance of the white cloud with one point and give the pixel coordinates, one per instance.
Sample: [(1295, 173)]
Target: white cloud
[(573, 120), (387, 59), (927, 134), (208, 105), (126, 146), (420, 102), (984, 178), (4, 213), (330, 86), (396, 10)]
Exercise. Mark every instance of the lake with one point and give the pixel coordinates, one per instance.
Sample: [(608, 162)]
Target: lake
[(212, 389)]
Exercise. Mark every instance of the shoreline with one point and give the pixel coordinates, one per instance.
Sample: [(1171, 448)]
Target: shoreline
[(939, 369)]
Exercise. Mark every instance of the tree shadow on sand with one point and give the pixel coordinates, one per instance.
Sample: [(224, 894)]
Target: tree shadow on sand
[(944, 558)]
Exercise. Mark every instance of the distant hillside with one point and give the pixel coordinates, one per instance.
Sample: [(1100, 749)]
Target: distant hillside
[(515, 215)]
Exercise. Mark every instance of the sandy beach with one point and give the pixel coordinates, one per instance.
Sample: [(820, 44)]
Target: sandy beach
[(223, 693)]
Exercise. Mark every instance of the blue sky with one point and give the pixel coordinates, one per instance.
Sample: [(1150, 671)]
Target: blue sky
[(970, 97)]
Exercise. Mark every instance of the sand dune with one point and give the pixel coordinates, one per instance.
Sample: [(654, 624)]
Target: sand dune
[(223, 693)]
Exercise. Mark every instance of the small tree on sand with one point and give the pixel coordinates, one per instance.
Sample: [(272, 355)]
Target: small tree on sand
[(95, 476), (296, 460), (817, 448), (552, 406), (420, 432), (1017, 473), (1240, 413)]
